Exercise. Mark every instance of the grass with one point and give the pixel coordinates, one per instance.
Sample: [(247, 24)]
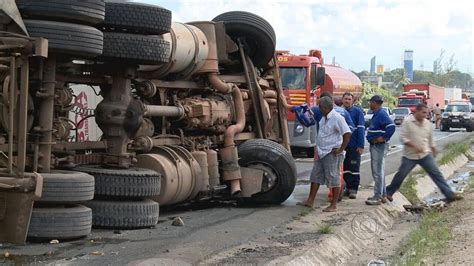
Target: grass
[(453, 150), (427, 240), (408, 188), (326, 228)]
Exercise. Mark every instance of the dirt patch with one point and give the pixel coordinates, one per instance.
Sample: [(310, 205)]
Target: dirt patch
[(461, 245), (385, 245), (255, 256)]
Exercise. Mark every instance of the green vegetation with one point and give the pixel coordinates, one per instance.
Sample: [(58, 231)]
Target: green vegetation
[(305, 212), (427, 241), (369, 90), (408, 188), (326, 228), (453, 150)]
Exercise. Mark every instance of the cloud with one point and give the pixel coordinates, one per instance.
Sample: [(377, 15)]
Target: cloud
[(354, 31)]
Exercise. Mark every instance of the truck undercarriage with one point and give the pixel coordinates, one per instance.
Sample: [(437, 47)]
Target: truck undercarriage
[(187, 112)]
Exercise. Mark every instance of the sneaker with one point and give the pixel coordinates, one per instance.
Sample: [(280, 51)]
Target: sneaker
[(352, 195), (373, 201)]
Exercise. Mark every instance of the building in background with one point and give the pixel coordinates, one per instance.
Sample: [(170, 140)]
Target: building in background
[(408, 64), (372, 66)]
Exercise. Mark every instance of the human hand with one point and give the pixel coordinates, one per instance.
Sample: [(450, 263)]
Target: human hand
[(434, 151), (378, 140), (337, 151), (418, 149), (360, 150)]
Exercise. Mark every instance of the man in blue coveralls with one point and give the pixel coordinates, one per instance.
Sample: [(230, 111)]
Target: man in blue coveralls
[(379, 133), (355, 148)]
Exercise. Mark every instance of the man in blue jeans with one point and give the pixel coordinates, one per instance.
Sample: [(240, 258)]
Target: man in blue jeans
[(379, 133), (417, 136)]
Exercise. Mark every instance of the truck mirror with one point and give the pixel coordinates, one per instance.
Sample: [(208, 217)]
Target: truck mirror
[(320, 76)]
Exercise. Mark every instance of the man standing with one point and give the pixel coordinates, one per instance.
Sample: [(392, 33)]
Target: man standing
[(332, 139), (437, 115), (417, 136), (355, 148), (379, 133)]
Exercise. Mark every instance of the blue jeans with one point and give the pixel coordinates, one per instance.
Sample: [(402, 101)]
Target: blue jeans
[(377, 163), (428, 163)]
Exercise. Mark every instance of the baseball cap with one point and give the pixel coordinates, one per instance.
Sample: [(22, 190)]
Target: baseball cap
[(377, 99)]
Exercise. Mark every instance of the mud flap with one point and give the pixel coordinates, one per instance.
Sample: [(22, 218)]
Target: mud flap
[(251, 182), (15, 212)]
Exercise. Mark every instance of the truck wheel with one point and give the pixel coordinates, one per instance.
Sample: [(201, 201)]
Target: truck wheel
[(136, 18), (89, 11), (310, 152), (277, 162), (135, 49), (132, 182), (67, 187), (124, 214), (256, 34), (469, 128), (61, 222), (67, 38)]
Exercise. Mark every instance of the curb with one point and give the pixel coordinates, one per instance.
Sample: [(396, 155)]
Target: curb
[(348, 240), (425, 186)]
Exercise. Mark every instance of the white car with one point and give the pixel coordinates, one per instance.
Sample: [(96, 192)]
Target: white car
[(370, 114)]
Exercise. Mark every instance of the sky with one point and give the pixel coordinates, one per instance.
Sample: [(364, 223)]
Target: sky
[(353, 31)]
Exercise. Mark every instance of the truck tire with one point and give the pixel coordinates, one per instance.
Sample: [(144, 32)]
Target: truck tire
[(255, 32), (124, 214), (67, 187), (469, 128), (136, 18), (67, 38), (131, 183), (62, 222), (274, 156), (135, 49), (87, 11)]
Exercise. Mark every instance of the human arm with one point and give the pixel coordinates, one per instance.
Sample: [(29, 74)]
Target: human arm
[(346, 133), (360, 131)]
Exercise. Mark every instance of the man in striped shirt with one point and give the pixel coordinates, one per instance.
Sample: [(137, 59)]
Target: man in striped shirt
[(379, 133)]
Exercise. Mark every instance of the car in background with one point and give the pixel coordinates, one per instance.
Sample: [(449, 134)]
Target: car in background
[(457, 115), (370, 114), (399, 114)]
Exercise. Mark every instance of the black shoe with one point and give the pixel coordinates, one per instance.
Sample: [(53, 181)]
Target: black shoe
[(346, 193)]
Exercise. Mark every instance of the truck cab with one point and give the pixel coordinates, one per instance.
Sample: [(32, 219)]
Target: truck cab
[(304, 78), (301, 77)]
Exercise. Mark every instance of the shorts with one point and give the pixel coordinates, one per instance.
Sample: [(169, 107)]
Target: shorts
[(327, 170)]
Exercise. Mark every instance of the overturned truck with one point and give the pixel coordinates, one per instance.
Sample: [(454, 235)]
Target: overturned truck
[(188, 111)]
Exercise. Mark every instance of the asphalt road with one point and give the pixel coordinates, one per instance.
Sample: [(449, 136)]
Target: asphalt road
[(210, 227)]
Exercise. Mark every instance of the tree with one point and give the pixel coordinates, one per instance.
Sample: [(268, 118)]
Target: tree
[(369, 90)]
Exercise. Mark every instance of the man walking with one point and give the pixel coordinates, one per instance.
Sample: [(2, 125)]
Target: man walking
[(355, 148), (417, 136), (437, 115), (379, 133), (332, 139)]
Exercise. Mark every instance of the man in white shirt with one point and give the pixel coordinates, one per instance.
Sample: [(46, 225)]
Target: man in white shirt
[(333, 136), (417, 136)]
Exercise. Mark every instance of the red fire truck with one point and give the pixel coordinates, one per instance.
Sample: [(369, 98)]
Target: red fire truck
[(417, 93), (304, 78)]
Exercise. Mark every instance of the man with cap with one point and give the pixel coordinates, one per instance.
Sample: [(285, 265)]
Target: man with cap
[(379, 133)]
